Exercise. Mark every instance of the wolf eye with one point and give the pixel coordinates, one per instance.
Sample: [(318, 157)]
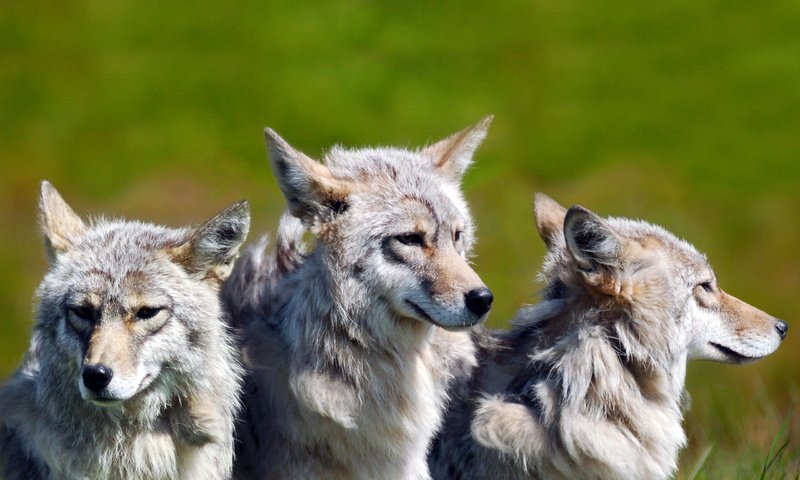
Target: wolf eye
[(83, 312), (707, 287), (147, 312), (414, 239)]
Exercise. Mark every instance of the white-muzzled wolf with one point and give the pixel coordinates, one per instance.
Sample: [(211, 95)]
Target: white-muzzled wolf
[(132, 372), (349, 346), (588, 383)]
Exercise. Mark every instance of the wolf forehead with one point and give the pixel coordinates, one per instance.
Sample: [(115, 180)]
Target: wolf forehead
[(643, 244), (406, 168), (119, 247), (375, 160), (395, 174), (649, 234)]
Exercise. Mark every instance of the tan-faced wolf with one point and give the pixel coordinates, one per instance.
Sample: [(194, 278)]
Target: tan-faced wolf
[(588, 383), (349, 347), (131, 372)]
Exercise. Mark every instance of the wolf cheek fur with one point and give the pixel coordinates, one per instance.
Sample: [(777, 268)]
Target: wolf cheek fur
[(347, 361), (588, 383), (131, 372)]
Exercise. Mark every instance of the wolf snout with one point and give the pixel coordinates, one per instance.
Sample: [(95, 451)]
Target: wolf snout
[(96, 377), (782, 328), (479, 300)]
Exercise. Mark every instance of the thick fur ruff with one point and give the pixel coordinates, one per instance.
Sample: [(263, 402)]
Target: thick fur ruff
[(142, 301), (345, 379), (589, 382)]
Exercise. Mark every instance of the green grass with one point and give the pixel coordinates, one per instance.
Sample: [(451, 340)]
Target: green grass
[(684, 113)]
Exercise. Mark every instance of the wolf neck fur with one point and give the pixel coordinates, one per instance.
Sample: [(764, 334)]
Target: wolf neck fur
[(342, 301), (324, 308), (619, 350), (601, 369)]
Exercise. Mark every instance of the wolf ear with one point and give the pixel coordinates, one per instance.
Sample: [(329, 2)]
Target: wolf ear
[(549, 218), (311, 191), (213, 247), (453, 155), (590, 242), (60, 225)]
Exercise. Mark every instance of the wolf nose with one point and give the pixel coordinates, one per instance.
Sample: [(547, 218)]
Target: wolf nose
[(782, 327), (479, 300), (96, 377)]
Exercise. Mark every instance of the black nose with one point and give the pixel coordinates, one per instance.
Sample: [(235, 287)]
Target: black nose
[(96, 377), (782, 327), (479, 301)]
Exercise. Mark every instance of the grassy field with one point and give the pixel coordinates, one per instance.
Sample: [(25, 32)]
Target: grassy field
[(685, 113)]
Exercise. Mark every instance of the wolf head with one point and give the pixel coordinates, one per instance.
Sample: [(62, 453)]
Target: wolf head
[(126, 305), (395, 220), (664, 285)]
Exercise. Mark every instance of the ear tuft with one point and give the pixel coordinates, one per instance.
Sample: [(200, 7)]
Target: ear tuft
[(590, 242), (453, 155), (311, 191), (59, 223), (213, 247), (549, 218)]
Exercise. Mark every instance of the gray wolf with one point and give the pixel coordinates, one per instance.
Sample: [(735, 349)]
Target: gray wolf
[(589, 382), (132, 372), (349, 346)]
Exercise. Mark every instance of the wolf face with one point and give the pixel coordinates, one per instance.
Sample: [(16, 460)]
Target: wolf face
[(727, 329), (125, 303), (667, 286), (396, 220)]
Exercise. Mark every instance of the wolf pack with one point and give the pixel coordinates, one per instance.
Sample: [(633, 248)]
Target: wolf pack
[(351, 344)]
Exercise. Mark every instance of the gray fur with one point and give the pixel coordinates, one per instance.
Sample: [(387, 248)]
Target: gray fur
[(589, 382), (346, 378), (169, 409)]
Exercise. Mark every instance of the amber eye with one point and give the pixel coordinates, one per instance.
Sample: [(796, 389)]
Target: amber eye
[(414, 239), (83, 312), (147, 312)]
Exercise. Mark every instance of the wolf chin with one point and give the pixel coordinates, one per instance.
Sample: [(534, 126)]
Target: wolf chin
[(131, 371), (589, 383), (349, 347)]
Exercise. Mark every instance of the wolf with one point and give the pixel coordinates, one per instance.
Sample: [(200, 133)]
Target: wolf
[(589, 383), (349, 346), (132, 371)]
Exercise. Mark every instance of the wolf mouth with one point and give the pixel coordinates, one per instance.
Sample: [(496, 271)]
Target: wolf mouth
[(424, 315), (103, 401), (732, 354)]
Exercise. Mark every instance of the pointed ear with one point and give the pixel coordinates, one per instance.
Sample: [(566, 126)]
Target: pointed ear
[(453, 155), (60, 225), (549, 218), (311, 191), (590, 241), (212, 248)]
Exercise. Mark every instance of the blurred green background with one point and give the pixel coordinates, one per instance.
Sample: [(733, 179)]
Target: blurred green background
[(685, 113)]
